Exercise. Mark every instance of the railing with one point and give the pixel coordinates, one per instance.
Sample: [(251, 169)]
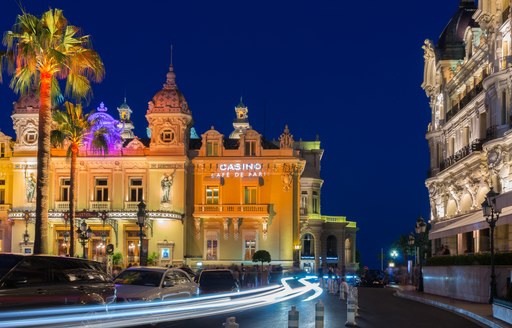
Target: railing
[(491, 133), (131, 206), (99, 206), (231, 209), (62, 206), (463, 153), (465, 100), (505, 14)]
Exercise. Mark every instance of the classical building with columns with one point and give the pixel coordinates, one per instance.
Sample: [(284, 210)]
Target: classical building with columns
[(468, 80), (210, 200)]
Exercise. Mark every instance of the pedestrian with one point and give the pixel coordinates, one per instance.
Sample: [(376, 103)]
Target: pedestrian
[(321, 276), (343, 289), (330, 280)]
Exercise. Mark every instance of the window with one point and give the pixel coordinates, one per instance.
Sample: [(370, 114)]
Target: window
[(250, 148), (303, 202), (212, 195), (31, 136), (332, 245), (167, 135), (212, 148), (136, 189), (504, 107), (212, 246), (101, 190), (307, 246), (249, 245), (316, 202), (2, 149), (64, 189), (2, 191), (250, 195)]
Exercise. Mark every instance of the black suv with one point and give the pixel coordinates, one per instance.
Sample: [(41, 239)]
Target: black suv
[(34, 281), (216, 281)]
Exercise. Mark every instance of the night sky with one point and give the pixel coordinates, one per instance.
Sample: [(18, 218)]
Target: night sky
[(348, 71)]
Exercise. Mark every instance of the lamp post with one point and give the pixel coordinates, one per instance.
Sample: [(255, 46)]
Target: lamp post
[(297, 248), (420, 230), (491, 213), (141, 220), (411, 245), (26, 217), (84, 234)]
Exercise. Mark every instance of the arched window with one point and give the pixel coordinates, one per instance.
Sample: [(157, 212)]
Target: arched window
[(308, 245), (332, 246)]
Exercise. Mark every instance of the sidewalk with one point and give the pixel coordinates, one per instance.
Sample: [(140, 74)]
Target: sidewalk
[(476, 311)]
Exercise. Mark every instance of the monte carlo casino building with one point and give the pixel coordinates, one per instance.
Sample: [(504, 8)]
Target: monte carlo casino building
[(211, 199)]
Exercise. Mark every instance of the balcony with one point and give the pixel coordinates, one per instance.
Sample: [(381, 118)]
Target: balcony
[(231, 210), (463, 153), (131, 206), (99, 206), (62, 206), (464, 101)]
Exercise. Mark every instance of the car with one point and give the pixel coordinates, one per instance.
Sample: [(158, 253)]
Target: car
[(142, 283), (372, 278), (43, 280), (217, 281)]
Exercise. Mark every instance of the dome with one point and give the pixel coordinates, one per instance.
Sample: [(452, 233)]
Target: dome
[(451, 42), (27, 102), (169, 99)]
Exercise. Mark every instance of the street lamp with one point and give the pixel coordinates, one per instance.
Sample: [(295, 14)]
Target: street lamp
[(491, 213), (297, 248), (26, 236), (411, 245), (84, 234), (141, 220), (420, 230)]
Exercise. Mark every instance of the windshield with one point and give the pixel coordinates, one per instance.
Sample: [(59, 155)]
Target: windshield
[(7, 262), (139, 278)]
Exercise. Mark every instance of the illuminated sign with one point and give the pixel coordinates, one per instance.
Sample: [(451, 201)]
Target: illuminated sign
[(239, 170)]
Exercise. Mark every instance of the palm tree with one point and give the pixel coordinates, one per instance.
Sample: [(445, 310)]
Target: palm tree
[(72, 128), (39, 52)]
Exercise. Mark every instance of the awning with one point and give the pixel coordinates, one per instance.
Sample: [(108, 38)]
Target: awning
[(470, 222)]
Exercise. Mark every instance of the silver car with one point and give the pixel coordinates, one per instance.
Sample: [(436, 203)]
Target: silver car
[(153, 283)]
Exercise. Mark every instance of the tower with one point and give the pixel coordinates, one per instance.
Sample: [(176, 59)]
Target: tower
[(125, 121), (169, 119), (241, 122)]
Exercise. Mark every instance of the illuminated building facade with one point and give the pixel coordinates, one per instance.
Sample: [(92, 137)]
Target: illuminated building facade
[(210, 199), (467, 78)]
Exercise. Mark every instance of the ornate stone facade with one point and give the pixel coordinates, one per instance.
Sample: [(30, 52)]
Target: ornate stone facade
[(467, 78)]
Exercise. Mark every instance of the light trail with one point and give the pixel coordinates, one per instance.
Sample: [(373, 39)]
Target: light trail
[(138, 313)]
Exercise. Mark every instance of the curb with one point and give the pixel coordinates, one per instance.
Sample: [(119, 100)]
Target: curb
[(450, 308)]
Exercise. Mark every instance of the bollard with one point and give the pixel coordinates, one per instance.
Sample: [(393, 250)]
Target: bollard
[(293, 318), (319, 315), (230, 323), (356, 297), (351, 310)]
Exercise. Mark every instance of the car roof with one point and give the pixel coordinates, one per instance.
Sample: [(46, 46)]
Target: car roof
[(150, 268), (63, 258)]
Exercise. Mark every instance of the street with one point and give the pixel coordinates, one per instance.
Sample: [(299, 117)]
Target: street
[(378, 307)]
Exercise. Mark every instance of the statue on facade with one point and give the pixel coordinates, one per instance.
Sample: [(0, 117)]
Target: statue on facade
[(30, 186), (166, 185)]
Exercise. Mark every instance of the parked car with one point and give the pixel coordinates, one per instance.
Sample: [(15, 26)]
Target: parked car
[(37, 281), (153, 283), (372, 278), (217, 281)]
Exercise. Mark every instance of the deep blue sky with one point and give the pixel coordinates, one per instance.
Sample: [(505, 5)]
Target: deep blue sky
[(349, 71)]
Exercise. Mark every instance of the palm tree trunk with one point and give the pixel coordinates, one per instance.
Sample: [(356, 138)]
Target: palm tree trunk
[(43, 163), (72, 179)]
